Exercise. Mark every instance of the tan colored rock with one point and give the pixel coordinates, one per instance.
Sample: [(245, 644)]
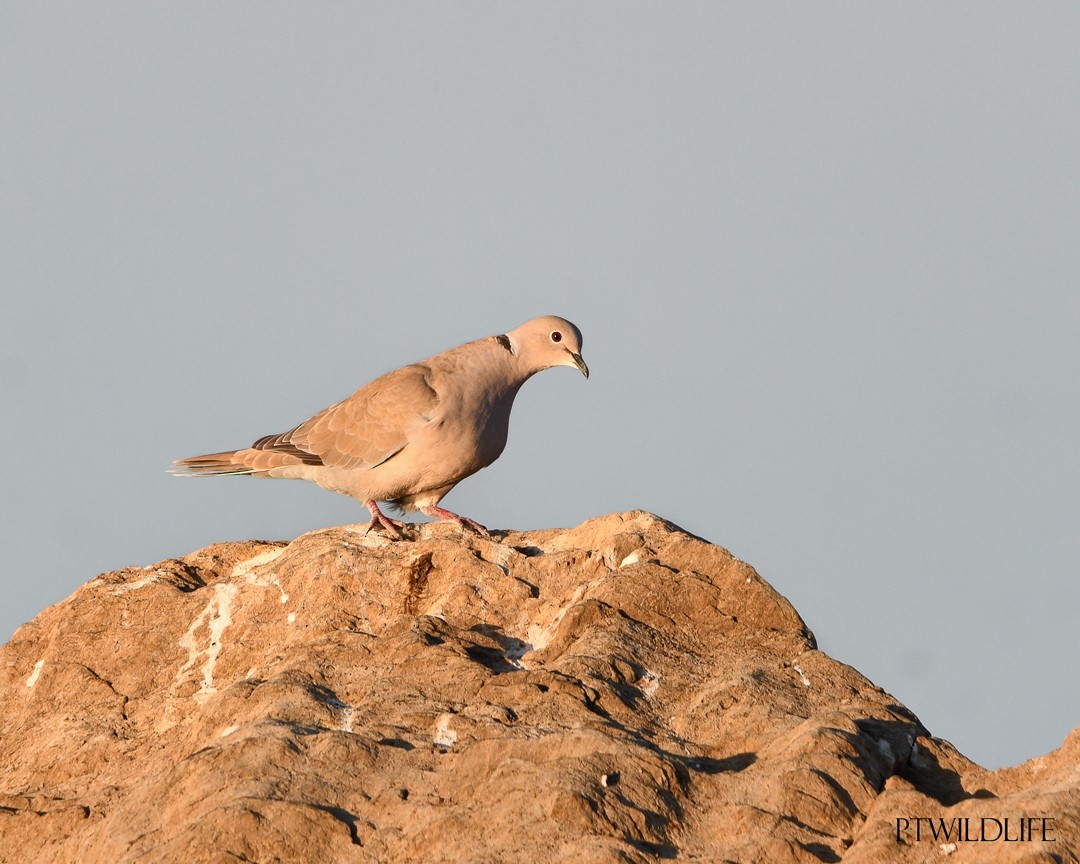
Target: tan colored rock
[(621, 691)]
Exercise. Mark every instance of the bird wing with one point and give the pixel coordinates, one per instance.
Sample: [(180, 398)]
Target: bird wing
[(366, 429)]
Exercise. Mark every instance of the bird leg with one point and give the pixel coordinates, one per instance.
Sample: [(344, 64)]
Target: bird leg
[(381, 520), (442, 513)]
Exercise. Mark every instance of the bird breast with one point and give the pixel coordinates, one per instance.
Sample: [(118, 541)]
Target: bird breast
[(474, 430)]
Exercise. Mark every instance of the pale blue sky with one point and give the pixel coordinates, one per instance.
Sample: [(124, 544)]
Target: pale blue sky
[(825, 257)]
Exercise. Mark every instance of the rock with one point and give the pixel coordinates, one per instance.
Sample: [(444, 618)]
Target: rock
[(621, 691)]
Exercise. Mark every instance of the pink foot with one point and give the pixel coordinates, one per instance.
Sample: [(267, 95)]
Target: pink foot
[(442, 513), (381, 520)]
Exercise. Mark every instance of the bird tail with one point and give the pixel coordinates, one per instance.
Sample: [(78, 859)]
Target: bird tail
[(209, 464)]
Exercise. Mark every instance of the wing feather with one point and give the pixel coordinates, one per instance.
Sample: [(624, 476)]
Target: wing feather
[(368, 428)]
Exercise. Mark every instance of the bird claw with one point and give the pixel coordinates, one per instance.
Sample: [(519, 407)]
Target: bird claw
[(386, 525), (475, 526), (443, 514), (381, 520)]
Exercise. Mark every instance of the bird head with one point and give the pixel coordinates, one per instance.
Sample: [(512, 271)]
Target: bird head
[(548, 341)]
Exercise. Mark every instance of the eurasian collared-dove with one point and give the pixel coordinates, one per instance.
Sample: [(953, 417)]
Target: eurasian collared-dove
[(412, 435)]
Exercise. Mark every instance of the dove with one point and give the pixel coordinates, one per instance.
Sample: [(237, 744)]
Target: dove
[(411, 435)]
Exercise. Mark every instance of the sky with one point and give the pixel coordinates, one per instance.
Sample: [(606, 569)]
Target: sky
[(825, 257)]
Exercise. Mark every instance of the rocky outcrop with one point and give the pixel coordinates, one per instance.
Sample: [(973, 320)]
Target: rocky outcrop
[(621, 691)]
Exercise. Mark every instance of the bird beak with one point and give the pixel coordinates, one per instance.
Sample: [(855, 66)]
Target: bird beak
[(579, 363)]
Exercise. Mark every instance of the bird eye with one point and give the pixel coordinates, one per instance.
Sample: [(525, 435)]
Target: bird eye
[(556, 336)]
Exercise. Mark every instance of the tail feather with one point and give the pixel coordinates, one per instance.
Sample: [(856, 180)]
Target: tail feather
[(210, 464)]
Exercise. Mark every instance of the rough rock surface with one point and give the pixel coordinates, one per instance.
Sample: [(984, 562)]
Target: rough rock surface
[(621, 691)]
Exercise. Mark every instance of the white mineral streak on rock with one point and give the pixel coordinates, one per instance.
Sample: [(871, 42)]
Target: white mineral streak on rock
[(444, 735), (32, 679)]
